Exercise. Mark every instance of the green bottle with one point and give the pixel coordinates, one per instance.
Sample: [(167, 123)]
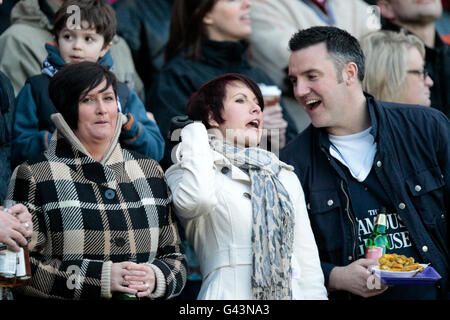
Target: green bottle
[(378, 242)]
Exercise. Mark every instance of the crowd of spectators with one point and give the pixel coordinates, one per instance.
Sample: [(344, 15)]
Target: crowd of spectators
[(152, 65)]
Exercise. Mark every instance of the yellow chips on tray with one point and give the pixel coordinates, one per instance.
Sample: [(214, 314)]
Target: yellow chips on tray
[(397, 263)]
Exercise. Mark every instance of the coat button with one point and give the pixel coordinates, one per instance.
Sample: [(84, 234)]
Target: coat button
[(308, 206), (379, 164), (350, 258), (110, 194), (330, 202), (119, 241), (225, 170), (247, 195), (402, 206), (425, 249), (443, 216), (418, 188)]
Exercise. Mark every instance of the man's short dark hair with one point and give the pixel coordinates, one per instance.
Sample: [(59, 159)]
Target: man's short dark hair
[(73, 82), (342, 46), (99, 14)]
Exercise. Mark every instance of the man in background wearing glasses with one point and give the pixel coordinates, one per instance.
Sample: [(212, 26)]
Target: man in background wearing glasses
[(419, 17)]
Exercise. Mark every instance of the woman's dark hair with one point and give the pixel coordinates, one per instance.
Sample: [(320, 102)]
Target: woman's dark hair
[(186, 27), (73, 82), (342, 47), (209, 98), (99, 14)]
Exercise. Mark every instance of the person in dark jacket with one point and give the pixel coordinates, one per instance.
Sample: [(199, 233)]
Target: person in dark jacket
[(33, 128), (5, 14), (145, 24), (360, 154), (207, 39), (15, 222), (6, 108), (419, 18)]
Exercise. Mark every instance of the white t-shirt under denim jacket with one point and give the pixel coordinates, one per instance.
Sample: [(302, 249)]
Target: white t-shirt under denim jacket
[(355, 151)]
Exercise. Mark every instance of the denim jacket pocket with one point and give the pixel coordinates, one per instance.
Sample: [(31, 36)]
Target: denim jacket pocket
[(428, 191), (425, 181), (324, 207), (427, 188)]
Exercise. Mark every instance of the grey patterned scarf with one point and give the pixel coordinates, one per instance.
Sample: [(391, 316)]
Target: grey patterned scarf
[(273, 219)]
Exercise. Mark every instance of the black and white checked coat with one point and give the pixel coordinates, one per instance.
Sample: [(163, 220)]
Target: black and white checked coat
[(87, 216)]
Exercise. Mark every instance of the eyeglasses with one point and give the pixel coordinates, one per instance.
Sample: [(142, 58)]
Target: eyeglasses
[(421, 73)]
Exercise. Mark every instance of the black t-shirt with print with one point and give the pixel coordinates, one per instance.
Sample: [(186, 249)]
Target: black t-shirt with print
[(366, 199)]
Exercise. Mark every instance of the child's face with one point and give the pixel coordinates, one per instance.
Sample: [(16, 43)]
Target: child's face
[(79, 45)]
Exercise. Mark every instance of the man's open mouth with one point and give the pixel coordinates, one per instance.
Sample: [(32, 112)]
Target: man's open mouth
[(312, 104)]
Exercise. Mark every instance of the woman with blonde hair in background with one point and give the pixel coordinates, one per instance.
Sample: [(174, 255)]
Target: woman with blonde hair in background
[(395, 68)]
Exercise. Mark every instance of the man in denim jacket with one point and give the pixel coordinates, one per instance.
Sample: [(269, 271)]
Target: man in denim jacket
[(360, 154)]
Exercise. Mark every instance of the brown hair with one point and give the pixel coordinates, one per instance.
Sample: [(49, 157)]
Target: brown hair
[(209, 98), (99, 15), (187, 28), (73, 82)]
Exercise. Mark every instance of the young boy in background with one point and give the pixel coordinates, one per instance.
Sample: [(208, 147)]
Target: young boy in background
[(88, 41)]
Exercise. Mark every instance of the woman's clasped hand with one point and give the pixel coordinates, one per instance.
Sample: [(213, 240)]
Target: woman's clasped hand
[(132, 278)]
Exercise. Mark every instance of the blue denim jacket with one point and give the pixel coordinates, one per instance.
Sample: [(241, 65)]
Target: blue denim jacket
[(413, 164)]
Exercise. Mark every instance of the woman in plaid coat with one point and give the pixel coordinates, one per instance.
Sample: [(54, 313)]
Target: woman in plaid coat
[(96, 206)]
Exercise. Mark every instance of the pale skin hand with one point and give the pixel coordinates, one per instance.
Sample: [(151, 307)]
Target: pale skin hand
[(142, 279), (15, 226), (129, 277), (273, 119), (353, 278)]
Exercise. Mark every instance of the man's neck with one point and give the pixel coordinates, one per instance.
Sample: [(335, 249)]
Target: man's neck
[(426, 33), (356, 121)]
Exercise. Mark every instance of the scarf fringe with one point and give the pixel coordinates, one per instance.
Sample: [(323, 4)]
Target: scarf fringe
[(272, 293)]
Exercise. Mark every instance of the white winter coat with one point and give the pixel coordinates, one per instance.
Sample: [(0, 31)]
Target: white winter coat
[(212, 200)]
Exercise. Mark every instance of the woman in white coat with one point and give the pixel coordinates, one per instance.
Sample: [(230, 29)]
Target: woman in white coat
[(243, 209)]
